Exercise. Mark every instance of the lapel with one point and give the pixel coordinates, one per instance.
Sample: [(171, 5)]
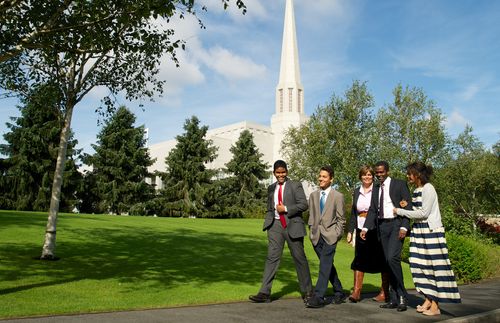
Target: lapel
[(287, 192), (392, 191), (272, 188), (356, 196), (328, 204), (376, 197)]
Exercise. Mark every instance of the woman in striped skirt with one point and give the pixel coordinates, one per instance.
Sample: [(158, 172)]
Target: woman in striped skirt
[(429, 262)]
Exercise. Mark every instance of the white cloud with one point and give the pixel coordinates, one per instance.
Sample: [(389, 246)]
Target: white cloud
[(231, 65), (177, 78), (456, 119), (469, 92)]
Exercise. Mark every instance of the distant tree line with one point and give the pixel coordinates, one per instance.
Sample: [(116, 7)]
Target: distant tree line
[(116, 180), (345, 132)]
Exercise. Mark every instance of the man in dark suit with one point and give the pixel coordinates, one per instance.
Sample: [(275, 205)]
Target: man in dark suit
[(390, 193), (326, 224), (285, 203)]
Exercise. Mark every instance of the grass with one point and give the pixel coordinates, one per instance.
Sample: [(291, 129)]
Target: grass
[(111, 263)]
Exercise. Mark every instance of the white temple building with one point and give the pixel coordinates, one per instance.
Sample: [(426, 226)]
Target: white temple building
[(289, 111)]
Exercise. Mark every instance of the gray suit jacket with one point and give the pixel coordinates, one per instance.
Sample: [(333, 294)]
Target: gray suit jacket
[(330, 225), (295, 201)]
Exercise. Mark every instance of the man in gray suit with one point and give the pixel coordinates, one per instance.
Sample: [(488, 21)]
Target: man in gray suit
[(285, 203), (326, 224)]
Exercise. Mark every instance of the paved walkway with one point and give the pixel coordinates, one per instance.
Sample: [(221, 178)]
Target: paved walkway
[(480, 303)]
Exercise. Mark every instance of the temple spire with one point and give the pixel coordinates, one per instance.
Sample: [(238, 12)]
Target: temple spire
[(289, 91), (289, 105)]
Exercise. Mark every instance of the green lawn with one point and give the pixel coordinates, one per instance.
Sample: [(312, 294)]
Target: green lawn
[(118, 263)]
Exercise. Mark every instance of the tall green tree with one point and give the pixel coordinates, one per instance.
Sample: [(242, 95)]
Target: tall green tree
[(468, 182), (339, 133), (82, 45), (248, 170), (410, 128), (31, 151), (120, 164), (187, 178)]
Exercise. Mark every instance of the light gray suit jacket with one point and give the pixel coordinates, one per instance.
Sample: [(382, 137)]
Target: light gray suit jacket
[(330, 224), (295, 201)]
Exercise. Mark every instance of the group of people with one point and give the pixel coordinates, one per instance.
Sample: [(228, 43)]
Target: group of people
[(380, 220)]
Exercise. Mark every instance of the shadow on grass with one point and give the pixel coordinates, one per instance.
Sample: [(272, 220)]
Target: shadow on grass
[(162, 259)]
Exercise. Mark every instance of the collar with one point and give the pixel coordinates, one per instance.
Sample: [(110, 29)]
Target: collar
[(362, 189), (387, 182), (327, 191)]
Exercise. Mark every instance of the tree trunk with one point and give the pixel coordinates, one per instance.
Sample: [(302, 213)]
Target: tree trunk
[(49, 246)]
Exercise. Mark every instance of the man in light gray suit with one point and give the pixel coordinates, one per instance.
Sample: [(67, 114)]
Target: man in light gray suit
[(285, 203), (326, 224)]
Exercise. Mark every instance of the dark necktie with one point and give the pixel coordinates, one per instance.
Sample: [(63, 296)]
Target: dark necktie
[(280, 201), (381, 202)]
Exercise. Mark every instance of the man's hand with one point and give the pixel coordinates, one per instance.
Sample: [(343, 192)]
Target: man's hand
[(280, 208), (402, 234), (349, 237), (362, 235)]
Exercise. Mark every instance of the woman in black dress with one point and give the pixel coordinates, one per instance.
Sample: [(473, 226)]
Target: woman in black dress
[(368, 256)]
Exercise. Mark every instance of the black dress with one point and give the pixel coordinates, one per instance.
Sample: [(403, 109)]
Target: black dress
[(368, 254)]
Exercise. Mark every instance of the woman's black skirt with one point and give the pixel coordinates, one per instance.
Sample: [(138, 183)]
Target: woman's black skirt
[(368, 254)]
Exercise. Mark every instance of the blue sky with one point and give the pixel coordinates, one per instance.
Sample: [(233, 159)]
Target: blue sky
[(229, 71)]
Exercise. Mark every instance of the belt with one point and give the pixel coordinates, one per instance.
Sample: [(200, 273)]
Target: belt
[(387, 220), (362, 214)]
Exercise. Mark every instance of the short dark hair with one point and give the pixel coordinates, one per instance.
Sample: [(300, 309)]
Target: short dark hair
[(365, 169), (327, 168), (382, 163), (279, 163), (421, 170)]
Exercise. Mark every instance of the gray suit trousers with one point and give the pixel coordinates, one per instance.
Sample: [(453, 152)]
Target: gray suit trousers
[(277, 236)]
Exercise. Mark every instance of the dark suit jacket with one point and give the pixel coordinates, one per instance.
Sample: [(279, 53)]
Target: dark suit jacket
[(295, 201), (398, 192), (353, 222)]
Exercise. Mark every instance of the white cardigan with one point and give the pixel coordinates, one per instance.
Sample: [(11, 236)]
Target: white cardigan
[(430, 208)]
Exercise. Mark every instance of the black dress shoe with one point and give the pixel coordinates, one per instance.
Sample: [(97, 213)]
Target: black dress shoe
[(316, 302), (389, 305), (339, 299), (307, 296), (402, 304), (260, 298)]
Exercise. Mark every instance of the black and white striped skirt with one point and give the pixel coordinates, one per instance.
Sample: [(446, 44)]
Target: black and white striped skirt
[(430, 265)]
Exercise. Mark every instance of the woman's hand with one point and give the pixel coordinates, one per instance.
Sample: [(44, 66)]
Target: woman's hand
[(349, 237)]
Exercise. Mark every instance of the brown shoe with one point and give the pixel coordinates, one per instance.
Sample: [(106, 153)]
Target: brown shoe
[(358, 285), (383, 296)]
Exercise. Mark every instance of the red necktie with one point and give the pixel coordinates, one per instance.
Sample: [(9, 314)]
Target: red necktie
[(280, 201)]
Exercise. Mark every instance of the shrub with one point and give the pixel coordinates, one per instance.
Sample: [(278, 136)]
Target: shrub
[(471, 260)]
